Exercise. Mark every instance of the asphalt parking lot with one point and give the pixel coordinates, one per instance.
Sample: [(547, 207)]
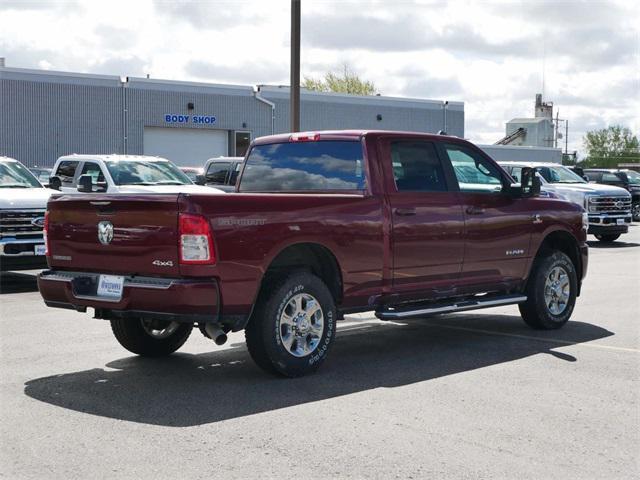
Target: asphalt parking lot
[(473, 395)]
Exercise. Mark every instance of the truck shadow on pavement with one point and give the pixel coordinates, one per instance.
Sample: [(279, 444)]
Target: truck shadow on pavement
[(186, 390), (616, 244)]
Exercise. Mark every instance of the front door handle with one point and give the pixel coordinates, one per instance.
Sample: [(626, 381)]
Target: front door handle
[(405, 212), (475, 210)]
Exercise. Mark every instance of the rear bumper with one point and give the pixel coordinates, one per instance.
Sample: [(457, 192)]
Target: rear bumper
[(184, 300)]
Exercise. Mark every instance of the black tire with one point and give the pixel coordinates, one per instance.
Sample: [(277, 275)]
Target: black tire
[(264, 332), (535, 311), (635, 212), (607, 237), (133, 336)]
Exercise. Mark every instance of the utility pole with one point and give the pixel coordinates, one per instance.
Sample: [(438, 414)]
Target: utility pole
[(294, 100), (566, 137), (555, 139)]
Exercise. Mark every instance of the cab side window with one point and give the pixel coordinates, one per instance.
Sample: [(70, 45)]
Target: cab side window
[(66, 171), (416, 167), (94, 170), (473, 172), (611, 178), (217, 173)]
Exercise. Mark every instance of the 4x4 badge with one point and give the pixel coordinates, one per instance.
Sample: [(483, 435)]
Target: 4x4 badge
[(105, 232)]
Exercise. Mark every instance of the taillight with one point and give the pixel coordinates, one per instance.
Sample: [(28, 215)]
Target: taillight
[(45, 233), (304, 137), (196, 240)]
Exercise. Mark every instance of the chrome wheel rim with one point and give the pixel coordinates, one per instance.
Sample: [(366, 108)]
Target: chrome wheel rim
[(557, 290), (159, 330), (301, 325)]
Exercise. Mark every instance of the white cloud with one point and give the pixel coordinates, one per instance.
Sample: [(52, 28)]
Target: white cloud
[(487, 54)]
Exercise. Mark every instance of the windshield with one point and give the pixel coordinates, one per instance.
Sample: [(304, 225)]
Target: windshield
[(559, 174), (634, 177), (15, 175), (140, 172)]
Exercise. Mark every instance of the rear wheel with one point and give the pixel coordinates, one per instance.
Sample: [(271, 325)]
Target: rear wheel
[(607, 237), (551, 292), (151, 338), (293, 325)]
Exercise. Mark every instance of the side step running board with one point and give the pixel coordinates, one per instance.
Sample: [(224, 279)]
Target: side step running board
[(469, 304)]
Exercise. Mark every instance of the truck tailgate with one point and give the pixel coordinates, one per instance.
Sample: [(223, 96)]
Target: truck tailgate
[(143, 240)]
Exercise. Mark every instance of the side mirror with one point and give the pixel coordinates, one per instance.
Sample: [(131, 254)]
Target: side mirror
[(85, 184), (201, 180), (585, 178), (55, 183), (529, 185)]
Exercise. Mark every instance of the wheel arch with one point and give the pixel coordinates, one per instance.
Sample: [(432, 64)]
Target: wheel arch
[(310, 256), (565, 242)]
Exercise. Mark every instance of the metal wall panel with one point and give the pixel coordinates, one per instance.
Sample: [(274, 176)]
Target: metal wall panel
[(40, 121), (44, 115), (148, 107)]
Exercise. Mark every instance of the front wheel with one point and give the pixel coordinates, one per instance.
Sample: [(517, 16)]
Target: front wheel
[(607, 237), (150, 338), (293, 325), (551, 292), (635, 212)]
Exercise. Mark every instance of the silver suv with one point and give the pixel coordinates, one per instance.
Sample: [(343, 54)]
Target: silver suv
[(609, 207)]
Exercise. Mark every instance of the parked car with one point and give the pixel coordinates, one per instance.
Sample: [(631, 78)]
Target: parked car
[(23, 201), (609, 207), (42, 174), (121, 174), (324, 224), (221, 172), (627, 179), (192, 172)]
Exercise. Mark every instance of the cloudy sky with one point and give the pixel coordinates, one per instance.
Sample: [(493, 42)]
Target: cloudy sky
[(491, 55)]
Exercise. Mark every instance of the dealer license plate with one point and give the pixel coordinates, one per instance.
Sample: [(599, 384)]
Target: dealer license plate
[(620, 221), (39, 250), (110, 286)]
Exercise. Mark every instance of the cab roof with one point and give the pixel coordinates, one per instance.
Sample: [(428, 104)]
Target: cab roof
[(113, 157), (355, 134), (530, 164)]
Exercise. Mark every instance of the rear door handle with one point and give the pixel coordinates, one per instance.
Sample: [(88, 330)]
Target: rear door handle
[(405, 212), (475, 210)]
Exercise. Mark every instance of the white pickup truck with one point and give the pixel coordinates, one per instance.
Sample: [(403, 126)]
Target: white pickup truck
[(23, 201), (609, 207), (121, 174)]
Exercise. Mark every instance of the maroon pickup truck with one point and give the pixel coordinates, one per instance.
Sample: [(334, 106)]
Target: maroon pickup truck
[(322, 224)]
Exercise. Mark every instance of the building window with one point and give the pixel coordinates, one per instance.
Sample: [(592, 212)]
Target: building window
[(242, 141)]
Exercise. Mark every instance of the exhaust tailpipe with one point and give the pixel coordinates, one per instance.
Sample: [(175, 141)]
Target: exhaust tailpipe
[(215, 333)]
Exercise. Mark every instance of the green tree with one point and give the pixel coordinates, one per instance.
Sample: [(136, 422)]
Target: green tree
[(610, 146), (340, 82)]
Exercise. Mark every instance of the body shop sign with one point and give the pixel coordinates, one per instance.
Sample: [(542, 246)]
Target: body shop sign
[(195, 119)]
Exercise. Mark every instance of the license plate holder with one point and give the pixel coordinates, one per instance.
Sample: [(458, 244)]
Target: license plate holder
[(620, 221), (110, 286), (39, 250)]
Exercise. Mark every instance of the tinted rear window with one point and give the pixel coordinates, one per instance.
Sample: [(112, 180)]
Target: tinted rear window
[(304, 166)]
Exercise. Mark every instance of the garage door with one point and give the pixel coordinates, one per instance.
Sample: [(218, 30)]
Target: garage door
[(187, 147)]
